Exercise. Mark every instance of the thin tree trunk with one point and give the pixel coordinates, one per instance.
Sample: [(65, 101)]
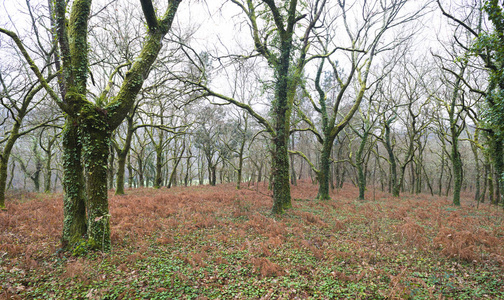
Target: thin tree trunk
[(359, 160), (141, 180), (121, 168), (13, 169), (158, 181), (394, 184), (323, 175), (4, 160), (293, 170), (130, 172), (48, 170)]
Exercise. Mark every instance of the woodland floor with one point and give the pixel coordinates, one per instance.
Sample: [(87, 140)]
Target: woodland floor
[(221, 243)]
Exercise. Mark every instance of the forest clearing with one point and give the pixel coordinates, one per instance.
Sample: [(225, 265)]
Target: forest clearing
[(205, 242)]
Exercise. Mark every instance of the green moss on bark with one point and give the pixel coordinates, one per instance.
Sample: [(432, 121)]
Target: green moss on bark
[(95, 136), (74, 201)]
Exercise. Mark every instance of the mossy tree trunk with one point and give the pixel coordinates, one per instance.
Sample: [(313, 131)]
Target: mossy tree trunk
[(96, 121), (497, 155), (491, 50), (491, 189), (280, 173), (74, 201), (282, 110), (95, 136), (457, 169)]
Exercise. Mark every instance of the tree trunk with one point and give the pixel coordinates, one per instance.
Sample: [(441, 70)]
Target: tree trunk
[(259, 172), (455, 132), (213, 174), (281, 184), (159, 165), (36, 176), (200, 169), (457, 171), (359, 160), (441, 173), (188, 169), (490, 190), (393, 165), (497, 152), (74, 201), (485, 176), (96, 145), (323, 175), (121, 168), (418, 170), (48, 170), (141, 179), (240, 165), (130, 172), (12, 172), (448, 186)]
